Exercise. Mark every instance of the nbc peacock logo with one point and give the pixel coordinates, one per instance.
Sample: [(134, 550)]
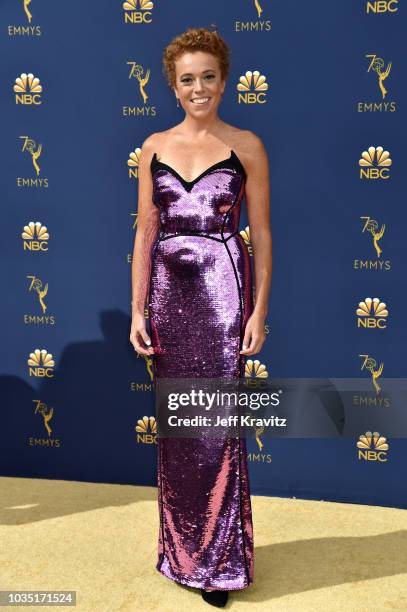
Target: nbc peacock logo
[(252, 88), (35, 237), (146, 429), (372, 314), (372, 447), (255, 369), (138, 11), (377, 7), (375, 163), (133, 163), (41, 364), (28, 88), (245, 234)]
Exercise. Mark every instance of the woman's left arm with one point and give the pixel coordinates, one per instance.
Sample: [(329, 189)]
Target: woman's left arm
[(258, 210)]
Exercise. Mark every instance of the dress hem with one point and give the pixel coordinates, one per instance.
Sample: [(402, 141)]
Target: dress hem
[(195, 584)]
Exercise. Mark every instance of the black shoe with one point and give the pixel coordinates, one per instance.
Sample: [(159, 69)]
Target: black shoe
[(215, 598)]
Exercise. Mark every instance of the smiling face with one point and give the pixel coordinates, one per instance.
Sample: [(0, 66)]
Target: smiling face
[(198, 83)]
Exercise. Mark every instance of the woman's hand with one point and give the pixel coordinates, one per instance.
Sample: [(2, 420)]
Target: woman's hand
[(254, 335), (139, 336)]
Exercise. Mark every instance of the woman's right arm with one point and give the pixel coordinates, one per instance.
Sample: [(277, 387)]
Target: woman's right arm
[(148, 223)]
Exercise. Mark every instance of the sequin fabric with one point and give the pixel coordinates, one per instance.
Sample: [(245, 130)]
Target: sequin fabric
[(200, 297)]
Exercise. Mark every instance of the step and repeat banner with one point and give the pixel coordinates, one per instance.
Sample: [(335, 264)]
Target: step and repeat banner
[(323, 85)]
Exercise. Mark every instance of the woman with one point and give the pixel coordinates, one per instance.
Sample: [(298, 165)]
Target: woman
[(192, 267)]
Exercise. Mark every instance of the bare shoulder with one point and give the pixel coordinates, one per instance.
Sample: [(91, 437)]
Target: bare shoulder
[(249, 144), (250, 149), (152, 144)]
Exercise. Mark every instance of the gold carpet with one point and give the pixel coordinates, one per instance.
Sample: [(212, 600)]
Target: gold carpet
[(101, 541)]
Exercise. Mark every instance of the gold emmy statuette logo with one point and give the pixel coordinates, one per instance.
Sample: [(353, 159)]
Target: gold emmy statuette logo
[(146, 429), (137, 72), (133, 162), (143, 386), (36, 285), (134, 226), (259, 431), (34, 150), (370, 365), (255, 369), (27, 10), (377, 65), (41, 364), (371, 226), (130, 255), (372, 447), (27, 89), (245, 234), (35, 236), (46, 413), (258, 8), (25, 29), (149, 363), (382, 6), (372, 314), (252, 86), (143, 15), (261, 24), (375, 163)]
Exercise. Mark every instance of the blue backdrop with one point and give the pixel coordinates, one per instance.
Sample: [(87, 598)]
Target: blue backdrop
[(76, 399)]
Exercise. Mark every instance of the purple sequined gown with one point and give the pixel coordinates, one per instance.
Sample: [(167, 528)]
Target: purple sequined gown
[(200, 298)]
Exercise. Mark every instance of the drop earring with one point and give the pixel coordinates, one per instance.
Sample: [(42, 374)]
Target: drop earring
[(177, 101)]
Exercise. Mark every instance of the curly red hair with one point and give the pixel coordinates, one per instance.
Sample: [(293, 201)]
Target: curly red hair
[(195, 39)]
